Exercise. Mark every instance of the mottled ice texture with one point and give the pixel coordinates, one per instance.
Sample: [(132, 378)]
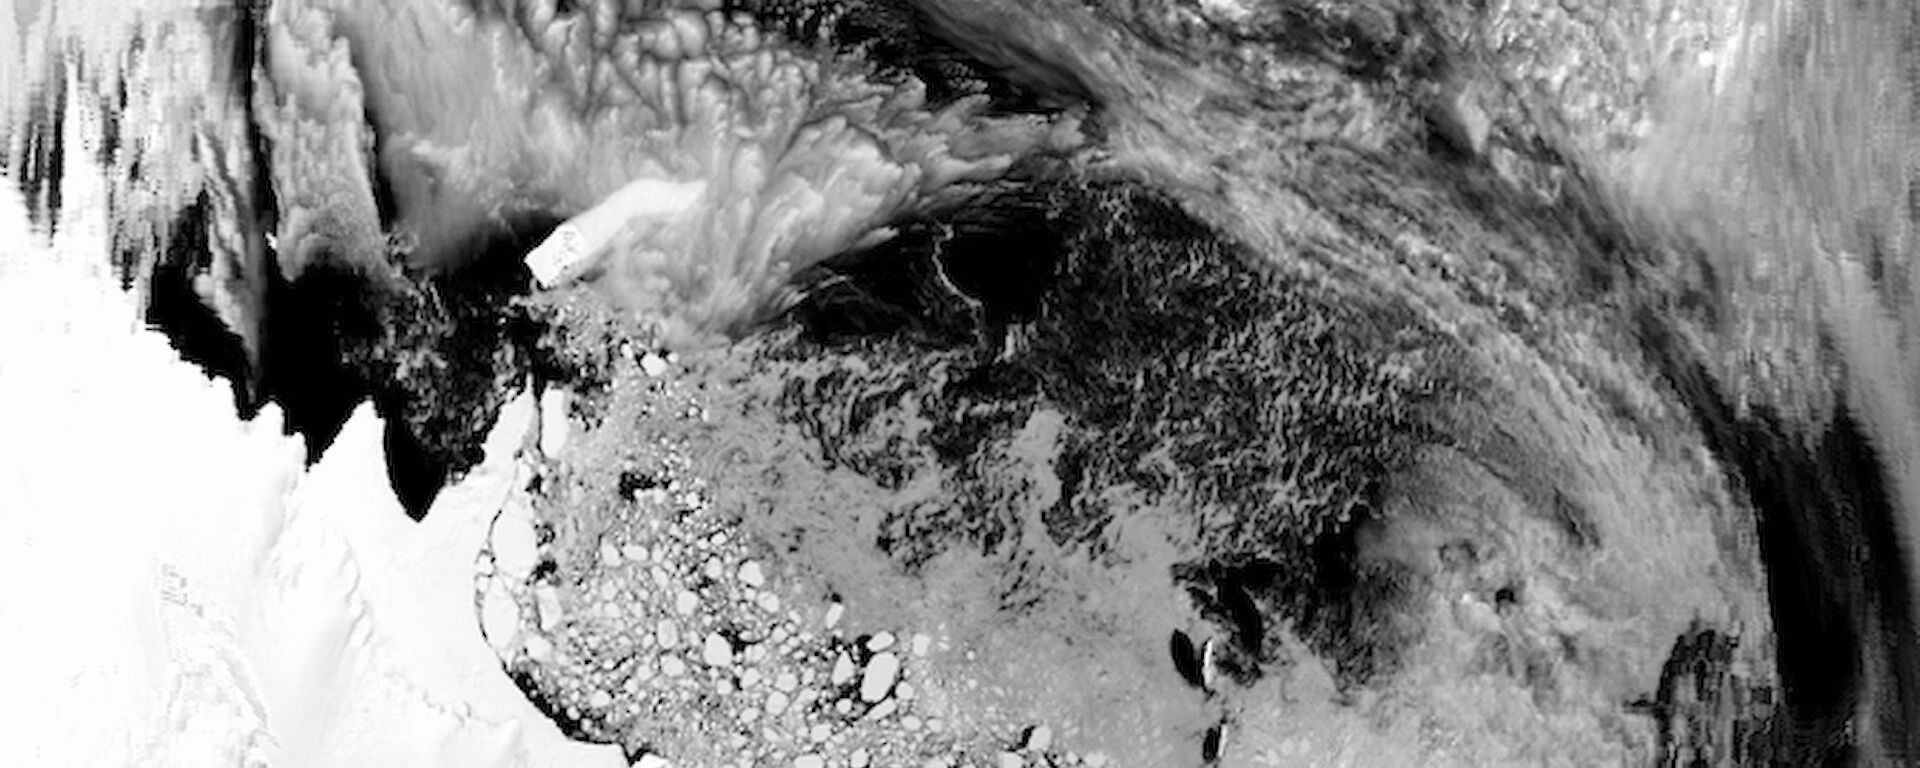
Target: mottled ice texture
[(1525, 576)]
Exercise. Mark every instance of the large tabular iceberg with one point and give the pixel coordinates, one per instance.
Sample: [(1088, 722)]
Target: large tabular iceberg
[(920, 382)]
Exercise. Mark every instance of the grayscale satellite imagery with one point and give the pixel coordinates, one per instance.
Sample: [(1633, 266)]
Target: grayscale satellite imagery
[(959, 383)]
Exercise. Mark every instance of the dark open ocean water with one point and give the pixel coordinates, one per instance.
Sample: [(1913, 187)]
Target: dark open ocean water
[(1239, 382)]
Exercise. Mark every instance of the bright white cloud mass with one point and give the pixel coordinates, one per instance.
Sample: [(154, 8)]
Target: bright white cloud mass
[(1175, 384)]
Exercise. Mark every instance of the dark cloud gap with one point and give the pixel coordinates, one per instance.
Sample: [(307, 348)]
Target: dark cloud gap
[(1004, 252), (1339, 607), (1047, 71), (43, 154), (1015, 254), (455, 347), (113, 105), (437, 355), (342, 333), (1374, 42), (249, 44), (1835, 575), (415, 471), (345, 332), (801, 21), (309, 325), (238, 25), (949, 277), (897, 36), (905, 38), (1693, 690), (176, 310)]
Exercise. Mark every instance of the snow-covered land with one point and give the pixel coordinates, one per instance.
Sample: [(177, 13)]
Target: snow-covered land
[(1267, 382), (183, 593)]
